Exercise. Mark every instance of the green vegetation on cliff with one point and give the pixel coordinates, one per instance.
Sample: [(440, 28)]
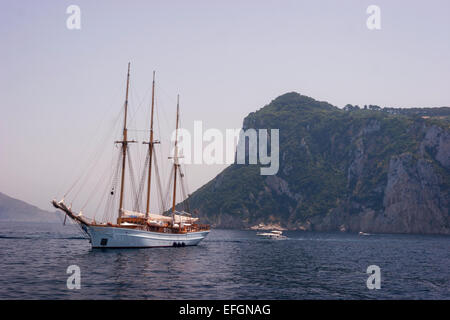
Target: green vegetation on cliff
[(335, 166)]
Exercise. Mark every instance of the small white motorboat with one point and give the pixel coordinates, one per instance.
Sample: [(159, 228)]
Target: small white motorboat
[(274, 234)]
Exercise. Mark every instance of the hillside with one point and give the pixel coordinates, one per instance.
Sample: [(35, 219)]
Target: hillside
[(350, 169), (16, 210)]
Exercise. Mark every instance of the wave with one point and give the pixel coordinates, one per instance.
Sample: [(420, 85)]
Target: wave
[(38, 237)]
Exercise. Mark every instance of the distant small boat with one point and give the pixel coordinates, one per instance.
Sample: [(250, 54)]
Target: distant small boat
[(363, 234), (274, 234)]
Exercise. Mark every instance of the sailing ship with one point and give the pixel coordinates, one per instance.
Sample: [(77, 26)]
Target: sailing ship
[(134, 229)]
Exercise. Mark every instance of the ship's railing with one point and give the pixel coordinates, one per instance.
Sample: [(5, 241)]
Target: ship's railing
[(197, 227), (164, 227), (135, 220)]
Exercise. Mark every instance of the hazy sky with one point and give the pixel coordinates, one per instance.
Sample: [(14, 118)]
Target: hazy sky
[(61, 90)]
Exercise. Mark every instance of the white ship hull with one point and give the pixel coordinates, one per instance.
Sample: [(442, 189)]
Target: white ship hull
[(113, 237)]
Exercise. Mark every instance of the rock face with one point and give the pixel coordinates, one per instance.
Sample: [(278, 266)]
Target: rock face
[(344, 170), (437, 142)]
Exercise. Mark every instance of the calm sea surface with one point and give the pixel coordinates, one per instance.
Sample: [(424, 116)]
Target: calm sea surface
[(227, 265)]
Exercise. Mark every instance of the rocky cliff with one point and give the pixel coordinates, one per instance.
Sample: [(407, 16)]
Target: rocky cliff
[(371, 170)]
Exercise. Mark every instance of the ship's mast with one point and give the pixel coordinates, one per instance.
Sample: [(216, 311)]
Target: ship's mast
[(150, 149), (124, 146), (175, 160)]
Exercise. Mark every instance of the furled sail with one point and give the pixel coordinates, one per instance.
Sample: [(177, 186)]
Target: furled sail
[(158, 217)]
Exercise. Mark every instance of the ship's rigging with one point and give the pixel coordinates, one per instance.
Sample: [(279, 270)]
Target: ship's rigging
[(120, 181)]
